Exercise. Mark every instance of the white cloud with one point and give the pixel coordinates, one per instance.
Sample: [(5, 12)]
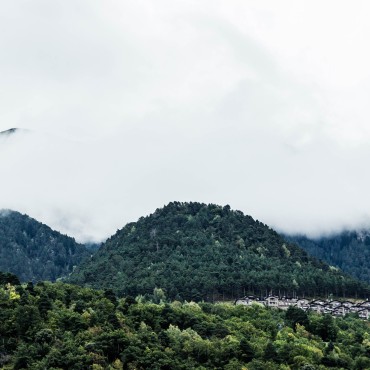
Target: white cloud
[(259, 104)]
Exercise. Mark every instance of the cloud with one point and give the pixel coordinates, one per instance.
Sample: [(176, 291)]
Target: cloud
[(131, 105), (4, 212)]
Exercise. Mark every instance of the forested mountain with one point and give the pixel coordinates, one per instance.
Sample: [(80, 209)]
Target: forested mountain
[(33, 251), (197, 251), (348, 250), (60, 326)]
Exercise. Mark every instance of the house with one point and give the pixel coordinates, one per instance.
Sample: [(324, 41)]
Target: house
[(272, 301), (247, 301), (302, 303), (332, 307), (364, 314)]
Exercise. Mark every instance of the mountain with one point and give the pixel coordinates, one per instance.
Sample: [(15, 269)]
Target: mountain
[(348, 250), (12, 131), (33, 251), (198, 251), (9, 132)]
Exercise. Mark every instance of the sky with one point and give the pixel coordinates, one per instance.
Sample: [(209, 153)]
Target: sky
[(128, 105)]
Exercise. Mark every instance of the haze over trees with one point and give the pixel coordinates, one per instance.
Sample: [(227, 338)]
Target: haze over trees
[(33, 251), (199, 252), (348, 250)]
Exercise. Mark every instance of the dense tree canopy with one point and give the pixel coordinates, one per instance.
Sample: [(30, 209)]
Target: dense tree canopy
[(349, 251), (59, 326), (33, 251), (207, 252)]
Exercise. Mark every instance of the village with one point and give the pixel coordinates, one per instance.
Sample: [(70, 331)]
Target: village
[(329, 306)]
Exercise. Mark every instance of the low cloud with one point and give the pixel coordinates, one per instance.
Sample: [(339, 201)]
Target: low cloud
[(130, 106)]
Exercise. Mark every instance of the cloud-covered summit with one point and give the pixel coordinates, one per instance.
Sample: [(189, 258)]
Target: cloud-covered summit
[(132, 105)]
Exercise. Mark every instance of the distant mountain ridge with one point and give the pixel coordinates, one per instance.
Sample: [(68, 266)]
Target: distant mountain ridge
[(11, 131), (198, 251), (33, 251), (347, 250)]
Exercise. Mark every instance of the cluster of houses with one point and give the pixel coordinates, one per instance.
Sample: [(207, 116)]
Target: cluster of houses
[(333, 307)]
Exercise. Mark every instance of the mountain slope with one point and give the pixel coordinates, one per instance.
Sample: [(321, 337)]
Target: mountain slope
[(348, 250), (198, 251), (33, 251)]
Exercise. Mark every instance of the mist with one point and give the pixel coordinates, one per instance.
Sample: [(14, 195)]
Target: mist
[(126, 107)]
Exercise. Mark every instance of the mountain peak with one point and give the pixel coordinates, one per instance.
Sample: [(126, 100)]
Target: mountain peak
[(198, 251), (12, 131), (9, 131)]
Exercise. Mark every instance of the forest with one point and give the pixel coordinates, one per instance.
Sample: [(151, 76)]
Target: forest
[(205, 252), (348, 250), (33, 251), (191, 250), (159, 294), (61, 326)]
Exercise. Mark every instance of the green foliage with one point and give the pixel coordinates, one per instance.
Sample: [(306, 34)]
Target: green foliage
[(295, 316), (7, 277), (194, 251), (63, 326), (325, 327), (44, 305), (348, 251), (33, 251)]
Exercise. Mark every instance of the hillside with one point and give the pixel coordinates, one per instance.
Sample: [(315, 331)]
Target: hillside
[(33, 251), (197, 251), (60, 326), (348, 250)]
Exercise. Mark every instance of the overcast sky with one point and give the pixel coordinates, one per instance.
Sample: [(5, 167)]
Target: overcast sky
[(263, 105)]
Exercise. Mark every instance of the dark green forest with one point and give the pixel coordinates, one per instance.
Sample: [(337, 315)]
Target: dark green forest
[(349, 251), (205, 252), (60, 326), (33, 251)]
